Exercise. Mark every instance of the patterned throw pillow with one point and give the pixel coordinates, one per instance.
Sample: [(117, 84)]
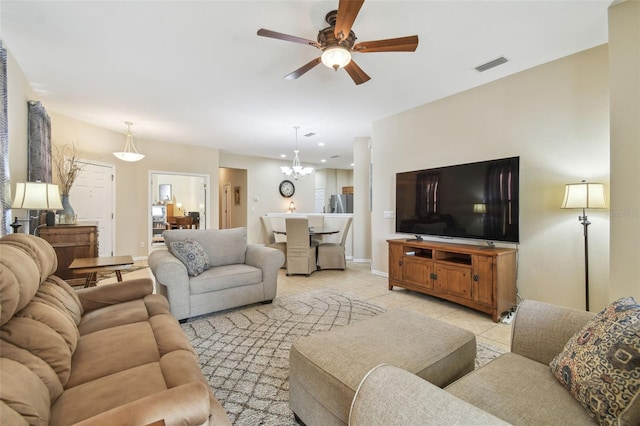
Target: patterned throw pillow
[(192, 254), (600, 365)]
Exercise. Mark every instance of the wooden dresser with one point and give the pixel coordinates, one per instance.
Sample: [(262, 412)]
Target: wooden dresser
[(71, 242)]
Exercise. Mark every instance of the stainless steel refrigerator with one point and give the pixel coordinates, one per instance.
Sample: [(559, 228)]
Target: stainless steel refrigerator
[(342, 203)]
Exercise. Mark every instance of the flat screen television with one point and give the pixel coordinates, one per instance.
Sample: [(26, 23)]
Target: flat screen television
[(476, 200)]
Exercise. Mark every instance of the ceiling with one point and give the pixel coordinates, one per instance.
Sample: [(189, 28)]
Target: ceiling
[(195, 72)]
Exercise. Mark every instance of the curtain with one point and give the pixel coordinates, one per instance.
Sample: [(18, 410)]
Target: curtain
[(39, 143), (501, 194), (5, 182), (427, 193)]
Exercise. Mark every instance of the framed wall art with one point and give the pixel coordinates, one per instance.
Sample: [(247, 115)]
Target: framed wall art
[(165, 193), (236, 195)]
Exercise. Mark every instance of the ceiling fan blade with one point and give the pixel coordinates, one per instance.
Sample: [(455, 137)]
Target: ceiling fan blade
[(303, 69), (286, 37), (347, 12), (401, 44), (357, 75)]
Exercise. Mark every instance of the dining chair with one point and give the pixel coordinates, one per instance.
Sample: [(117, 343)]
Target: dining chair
[(270, 238), (301, 256), (332, 255)]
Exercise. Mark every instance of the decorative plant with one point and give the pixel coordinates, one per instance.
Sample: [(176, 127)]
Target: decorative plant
[(66, 162)]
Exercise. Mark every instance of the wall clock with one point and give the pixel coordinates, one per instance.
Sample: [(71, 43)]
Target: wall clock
[(287, 189)]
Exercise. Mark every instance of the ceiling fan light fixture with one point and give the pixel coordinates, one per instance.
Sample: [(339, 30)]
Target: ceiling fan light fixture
[(130, 152), (336, 57)]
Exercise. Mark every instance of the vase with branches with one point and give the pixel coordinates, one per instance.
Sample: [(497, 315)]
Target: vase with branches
[(67, 167), (66, 162)]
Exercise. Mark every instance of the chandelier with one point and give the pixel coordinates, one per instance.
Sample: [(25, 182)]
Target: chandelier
[(296, 171), (130, 152)]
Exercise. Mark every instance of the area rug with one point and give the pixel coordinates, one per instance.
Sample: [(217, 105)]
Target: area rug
[(485, 353), (103, 275), (244, 353)]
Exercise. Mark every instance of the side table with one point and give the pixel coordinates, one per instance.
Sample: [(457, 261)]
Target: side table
[(92, 265)]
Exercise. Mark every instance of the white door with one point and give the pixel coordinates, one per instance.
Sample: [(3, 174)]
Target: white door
[(91, 197), (319, 201)]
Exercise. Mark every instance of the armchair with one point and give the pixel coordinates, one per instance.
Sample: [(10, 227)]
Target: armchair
[(237, 273)]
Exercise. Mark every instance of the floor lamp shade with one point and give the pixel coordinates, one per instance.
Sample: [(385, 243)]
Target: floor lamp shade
[(584, 196)]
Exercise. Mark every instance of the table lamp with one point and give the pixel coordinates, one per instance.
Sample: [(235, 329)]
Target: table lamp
[(38, 196)]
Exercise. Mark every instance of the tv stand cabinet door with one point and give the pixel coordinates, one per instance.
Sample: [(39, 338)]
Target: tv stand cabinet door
[(396, 269), (418, 272), (483, 283), (454, 280)]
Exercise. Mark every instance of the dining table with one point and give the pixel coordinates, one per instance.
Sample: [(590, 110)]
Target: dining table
[(313, 231)]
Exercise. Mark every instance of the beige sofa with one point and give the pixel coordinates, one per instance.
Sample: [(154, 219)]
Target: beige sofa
[(236, 273), (106, 355), (516, 388)]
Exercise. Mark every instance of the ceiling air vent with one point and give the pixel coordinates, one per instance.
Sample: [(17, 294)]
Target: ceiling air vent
[(501, 60)]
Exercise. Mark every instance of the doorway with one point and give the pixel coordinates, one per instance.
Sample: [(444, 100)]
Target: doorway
[(233, 197), (181, 194)]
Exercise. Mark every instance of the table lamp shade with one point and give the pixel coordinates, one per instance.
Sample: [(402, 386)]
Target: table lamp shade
[(584, 196), (36, 196)]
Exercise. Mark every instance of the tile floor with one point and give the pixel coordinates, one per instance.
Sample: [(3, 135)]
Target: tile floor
[(358, 281)]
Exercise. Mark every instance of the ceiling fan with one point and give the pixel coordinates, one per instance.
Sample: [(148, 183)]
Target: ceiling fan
[(337, 43)]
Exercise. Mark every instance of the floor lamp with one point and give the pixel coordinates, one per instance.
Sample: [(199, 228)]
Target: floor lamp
[(37, 196), (584, 196)]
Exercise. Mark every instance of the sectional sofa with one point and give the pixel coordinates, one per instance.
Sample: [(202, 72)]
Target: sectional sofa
[(106, 355), (566, 367)]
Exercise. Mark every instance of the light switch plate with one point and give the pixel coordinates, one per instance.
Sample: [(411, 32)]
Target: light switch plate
[(388, 214)]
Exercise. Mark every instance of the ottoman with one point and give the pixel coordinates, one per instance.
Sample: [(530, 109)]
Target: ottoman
[(326, 368)]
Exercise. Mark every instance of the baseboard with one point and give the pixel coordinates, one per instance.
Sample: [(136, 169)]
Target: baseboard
[(380, 273)]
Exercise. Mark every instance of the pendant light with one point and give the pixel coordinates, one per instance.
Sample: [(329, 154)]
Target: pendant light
[(130, 152)]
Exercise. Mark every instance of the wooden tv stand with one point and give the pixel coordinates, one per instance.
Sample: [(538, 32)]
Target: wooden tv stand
[(481, 278)]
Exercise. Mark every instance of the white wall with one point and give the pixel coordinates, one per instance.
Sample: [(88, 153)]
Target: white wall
[(132, 179), (556, 118), (361, 214), (187, 190), (624, 62), (263, 178), (332, 181)]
